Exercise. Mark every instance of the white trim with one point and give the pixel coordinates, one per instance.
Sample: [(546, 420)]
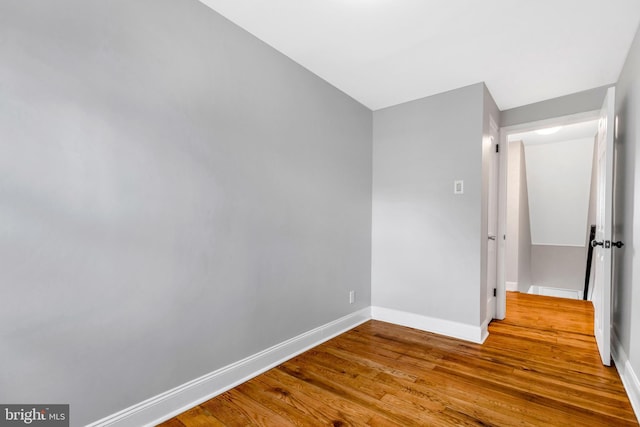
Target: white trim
[(553, 121), (627, 375), (511, 286), (501, 292), (555, 292), (491, 311), (550, 291), (476, 334), (484, 331), (173, 402)]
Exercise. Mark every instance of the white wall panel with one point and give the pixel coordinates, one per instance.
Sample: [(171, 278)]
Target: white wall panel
[(558, 179)]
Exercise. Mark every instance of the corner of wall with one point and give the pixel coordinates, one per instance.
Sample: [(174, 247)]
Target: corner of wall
[(475, 334)]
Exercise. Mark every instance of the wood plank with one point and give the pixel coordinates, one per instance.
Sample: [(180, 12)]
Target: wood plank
[(539, 366), (199, 417), (279, 401), (175, 422), (341, 410)]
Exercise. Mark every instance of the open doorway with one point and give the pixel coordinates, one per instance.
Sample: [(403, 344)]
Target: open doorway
[(551, 208), (603, 241), (506, 134)]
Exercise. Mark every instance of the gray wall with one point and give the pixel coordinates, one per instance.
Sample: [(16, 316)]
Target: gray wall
[(524, 230), (174, 196), (561, 267), (591, 217), (580, 102), (593, 189), (518, 243), (513, 212), (425, 256), (626, 299)]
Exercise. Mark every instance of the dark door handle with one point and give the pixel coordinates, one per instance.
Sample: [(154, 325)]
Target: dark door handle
[(595, 243), (618, 244)]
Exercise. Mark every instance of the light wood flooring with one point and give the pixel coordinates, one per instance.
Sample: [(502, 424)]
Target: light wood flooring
[(539, 367)]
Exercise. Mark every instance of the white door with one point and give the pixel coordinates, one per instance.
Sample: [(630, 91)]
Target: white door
[(492, 226), (604, 227)]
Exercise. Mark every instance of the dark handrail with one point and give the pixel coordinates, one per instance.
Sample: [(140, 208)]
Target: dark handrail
[(592, 236)]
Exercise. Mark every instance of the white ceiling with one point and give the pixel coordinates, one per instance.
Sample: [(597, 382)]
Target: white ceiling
[(572, 132), (385, 52)]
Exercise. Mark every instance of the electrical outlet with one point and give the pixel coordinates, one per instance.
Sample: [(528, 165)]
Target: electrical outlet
[(352, 297)]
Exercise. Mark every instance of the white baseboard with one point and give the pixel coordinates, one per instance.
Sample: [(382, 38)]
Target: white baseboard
[(476, 334), (511, 286), (627, 375), (173, 402), (484, 330), (555, 292)]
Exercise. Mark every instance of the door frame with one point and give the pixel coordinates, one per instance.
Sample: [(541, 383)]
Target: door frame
[(501, 291), (492, 215)]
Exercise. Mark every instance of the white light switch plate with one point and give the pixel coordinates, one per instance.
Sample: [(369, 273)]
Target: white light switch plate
[(458, 187)]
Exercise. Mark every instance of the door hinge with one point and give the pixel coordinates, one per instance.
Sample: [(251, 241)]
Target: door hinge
[(495, 294), (497, 148), (607, 244)]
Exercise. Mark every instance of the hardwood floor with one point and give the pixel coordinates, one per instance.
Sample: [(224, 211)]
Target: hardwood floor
[(539, 367)]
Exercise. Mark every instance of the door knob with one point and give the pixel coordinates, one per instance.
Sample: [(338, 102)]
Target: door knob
[(492, 237), (595, 243), (617, 244)]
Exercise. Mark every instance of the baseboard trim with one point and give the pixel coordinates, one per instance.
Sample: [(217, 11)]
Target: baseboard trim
[(173, 402), (555, 292), (475, 334), (627, 375), (484, 330), (511, 286)]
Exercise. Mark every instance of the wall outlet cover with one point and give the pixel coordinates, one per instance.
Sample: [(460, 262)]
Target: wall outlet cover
[(458, 187)]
